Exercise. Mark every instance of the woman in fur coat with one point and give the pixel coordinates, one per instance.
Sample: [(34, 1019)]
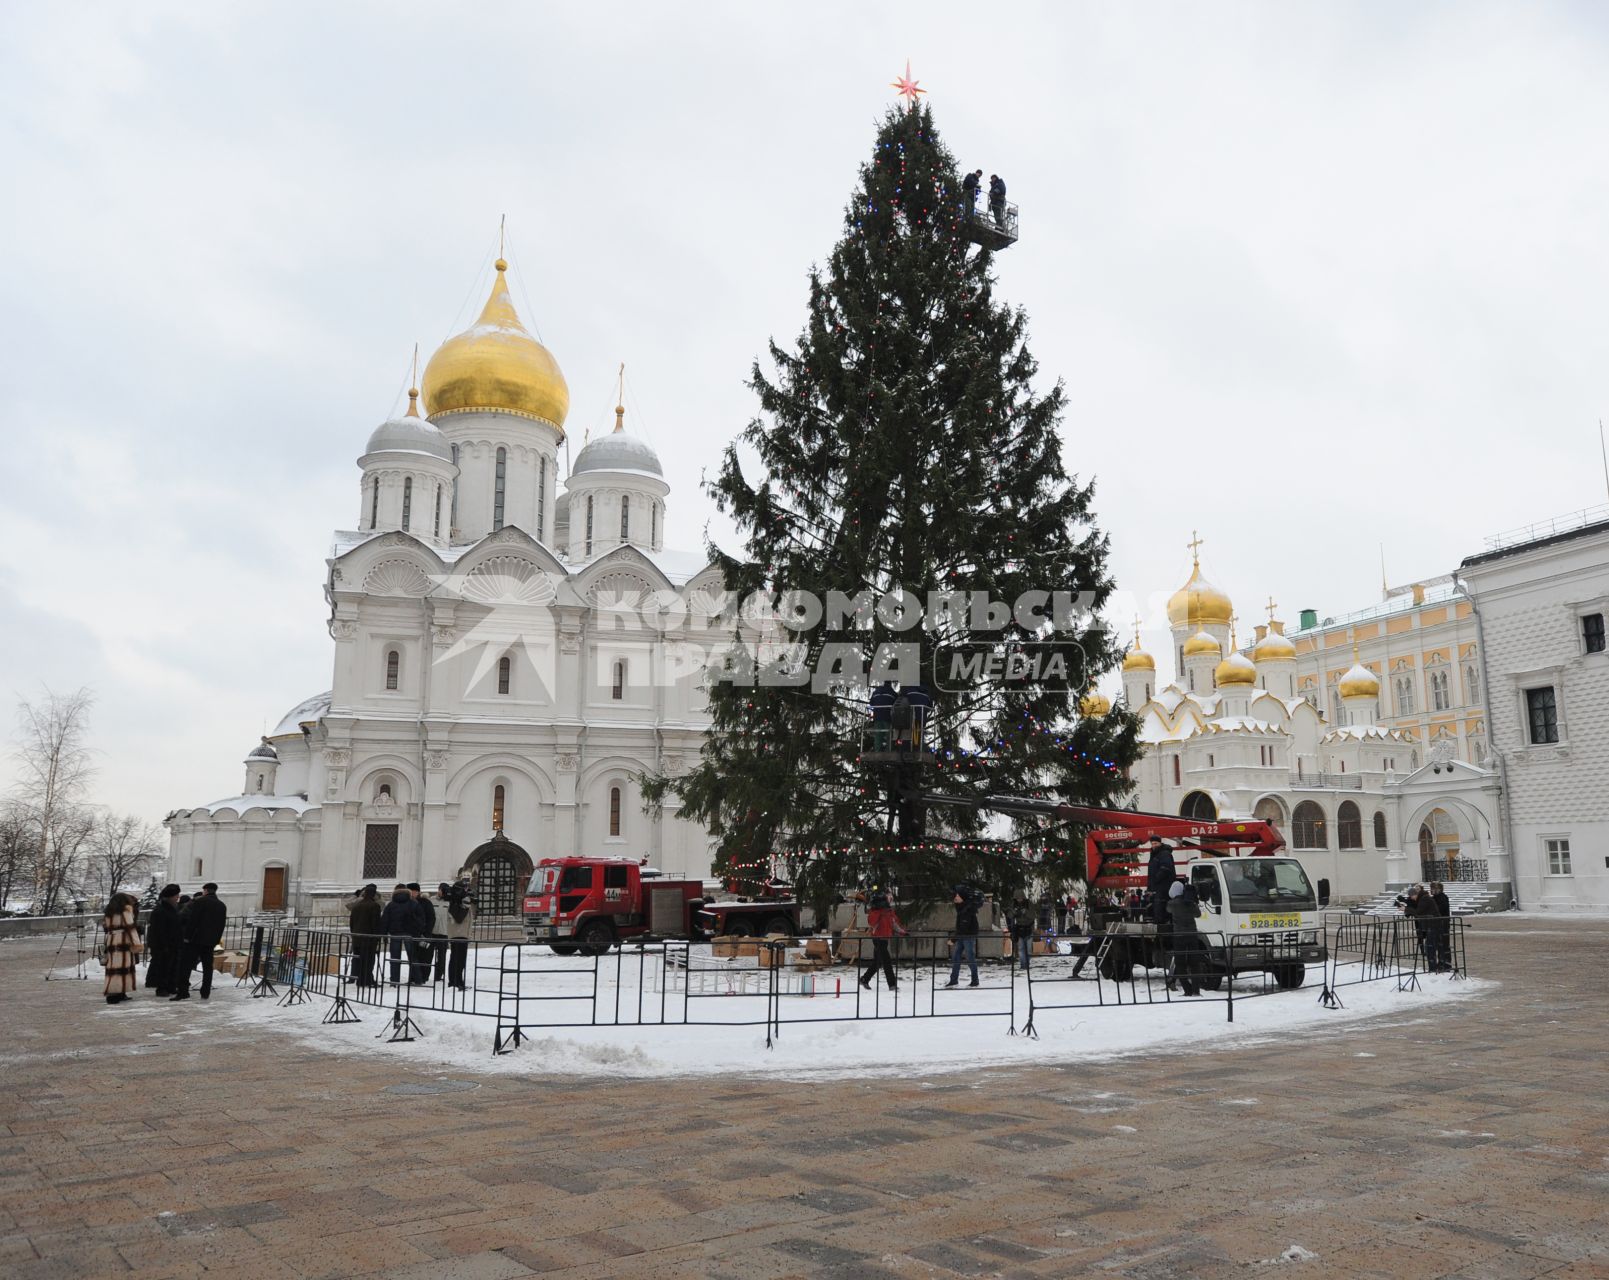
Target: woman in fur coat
[(122, 926)]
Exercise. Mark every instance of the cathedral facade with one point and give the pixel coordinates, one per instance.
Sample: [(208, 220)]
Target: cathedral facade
[(1362, 803), (498, 687)]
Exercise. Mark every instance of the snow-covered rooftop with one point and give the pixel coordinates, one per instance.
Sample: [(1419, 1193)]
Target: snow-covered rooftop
[(244, 804), (308, 709)]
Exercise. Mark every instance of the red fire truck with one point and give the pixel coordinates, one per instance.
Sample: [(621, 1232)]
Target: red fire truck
[(589, 904)]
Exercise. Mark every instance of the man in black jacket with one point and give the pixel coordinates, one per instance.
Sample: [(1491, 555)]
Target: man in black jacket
[(966, 902), (203, 924), (400, 920), (1441, 928), (419, 952), (164, 939), (364, 916)]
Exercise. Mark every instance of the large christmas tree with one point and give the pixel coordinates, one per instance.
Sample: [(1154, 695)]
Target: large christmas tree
[(902, 448)]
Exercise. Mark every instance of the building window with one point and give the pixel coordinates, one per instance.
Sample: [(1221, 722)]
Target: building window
[(1592, 632), (1175, 770), (498, 796), (542, 499), (1558, 855), (614, 811), (407, 504), (393, 669), (617, 690), (374, 505), (625, 517), (499, 485), (1379, 830), (437, 531), (1307, 825), (653, 527), (505, 670), (452, 522), (1440, 700), (198, 868), (1404, 688), (1542, 710), (1349, 825), (1199, 806), (1472, 685), (1477, 747), (589, 526), (380, 851)]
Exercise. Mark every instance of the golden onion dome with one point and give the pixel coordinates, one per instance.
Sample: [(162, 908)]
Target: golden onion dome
[(1274, 647), (1137, 659), (1359, 682), (1236, 669), (496, 366), (1199, 603), (1094, 704), (1201, 643)]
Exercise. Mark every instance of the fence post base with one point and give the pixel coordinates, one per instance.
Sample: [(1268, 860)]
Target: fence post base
[(1329, 999), (403, 1028), (341, 1011)]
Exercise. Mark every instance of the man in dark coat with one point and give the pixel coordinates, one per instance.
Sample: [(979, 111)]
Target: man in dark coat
[(400, 920), (1020, 920), (1159, 877), (969, 193), (1182, 913), (966, 902), (364, 915), (203, 924), (164, 938), (1441, 928), (419, 952), (997, 199)]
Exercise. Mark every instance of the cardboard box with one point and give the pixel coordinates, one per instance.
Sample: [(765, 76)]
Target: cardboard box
[(1044, 947), (776, 957), (734, 948), (221, 960), (818, 949), (238, 965)]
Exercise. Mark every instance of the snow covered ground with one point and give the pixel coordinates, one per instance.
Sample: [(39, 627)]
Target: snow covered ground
[(809, 1046)]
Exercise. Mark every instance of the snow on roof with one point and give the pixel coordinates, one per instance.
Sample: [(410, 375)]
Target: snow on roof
[(1439, 591), (1365, 732), (1243, 724), (308, 709), (242, 804)]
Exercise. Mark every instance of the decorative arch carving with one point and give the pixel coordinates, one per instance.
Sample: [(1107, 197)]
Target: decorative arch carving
[(396, 578), (507, 579)]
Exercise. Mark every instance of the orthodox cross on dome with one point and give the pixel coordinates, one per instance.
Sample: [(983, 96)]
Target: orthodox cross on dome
[(1271, 606), (1137, 621), (413, 385), (907, 88), (620, 399), (1195, 546)]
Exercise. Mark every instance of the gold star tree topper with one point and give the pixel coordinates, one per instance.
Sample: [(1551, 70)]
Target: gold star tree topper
[(906, 87)]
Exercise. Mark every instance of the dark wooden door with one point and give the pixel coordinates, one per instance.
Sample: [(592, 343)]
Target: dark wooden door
[(273, 888)]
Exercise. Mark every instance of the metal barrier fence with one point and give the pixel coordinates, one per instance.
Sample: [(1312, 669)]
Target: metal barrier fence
[(523, 987)]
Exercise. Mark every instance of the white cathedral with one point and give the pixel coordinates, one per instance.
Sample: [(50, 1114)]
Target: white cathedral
[(491, 701), (1358, 802)]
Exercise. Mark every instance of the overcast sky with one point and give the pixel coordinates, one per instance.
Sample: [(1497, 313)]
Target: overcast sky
[(1318, 278)]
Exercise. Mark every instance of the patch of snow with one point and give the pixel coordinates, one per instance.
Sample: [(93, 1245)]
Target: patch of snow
[(1241, 1102), (1124, 1128)]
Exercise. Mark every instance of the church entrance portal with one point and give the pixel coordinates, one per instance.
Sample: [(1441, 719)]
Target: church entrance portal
[(502, 870)]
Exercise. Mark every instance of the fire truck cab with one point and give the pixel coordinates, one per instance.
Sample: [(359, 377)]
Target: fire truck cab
[(589, 904)]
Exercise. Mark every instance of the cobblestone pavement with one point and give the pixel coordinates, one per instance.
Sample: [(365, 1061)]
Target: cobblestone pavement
[(1472, 1141)]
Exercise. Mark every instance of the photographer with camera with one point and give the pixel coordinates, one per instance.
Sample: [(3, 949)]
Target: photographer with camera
[(460, 928)]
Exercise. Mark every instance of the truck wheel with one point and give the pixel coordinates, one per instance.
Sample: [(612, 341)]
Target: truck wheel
[(1290, 976), (562, 948), (740, 927), (779, 924), (595, 938), (1118, 966)]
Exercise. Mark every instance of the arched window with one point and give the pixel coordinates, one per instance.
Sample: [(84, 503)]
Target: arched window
[(384, 794), (1349, 825), (542, 499), (407, 503), (614, 811), (1199, 806), (1379, 830), (653, 526), (437, 531), (1307, 827), (374, 505), (1438, 691), (498, 796), (1270, 810), (1472, 685), (260, 782), (1427, 843), (393, 669), (625, 516), (499, 484), (1404, 688), (505, 672), (618, 690), (1176, 771), (452, 522), (589, 525)]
